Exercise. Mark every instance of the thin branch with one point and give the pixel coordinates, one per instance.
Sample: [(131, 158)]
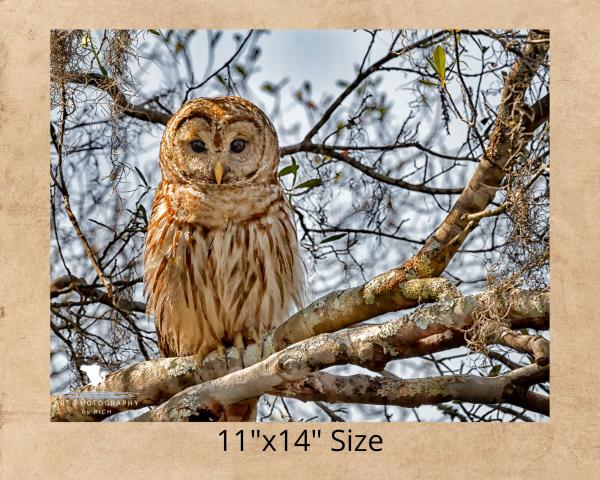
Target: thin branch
[(334, 417), (109, 86), (366, 73), (66, 284), (224, 66), (291, 149), (62, 187), (371, 172)]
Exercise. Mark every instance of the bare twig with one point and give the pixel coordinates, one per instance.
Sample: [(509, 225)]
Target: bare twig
[(135, 111), (62, 186)]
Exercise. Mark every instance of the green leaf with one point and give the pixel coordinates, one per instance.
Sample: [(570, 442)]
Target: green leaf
[(85, 41), (268, 87), (255, 53), (141, 176), (494, 371), (154, 32), (439, 61), (142, 212), (342, 83), (313, 182), (427, 83), (333, 238), (96, 57), (289, 170)]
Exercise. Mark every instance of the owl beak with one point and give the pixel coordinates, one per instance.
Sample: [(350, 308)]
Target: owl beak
[(218, 172)]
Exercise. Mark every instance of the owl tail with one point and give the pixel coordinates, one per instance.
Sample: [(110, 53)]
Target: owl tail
[(244, 411)]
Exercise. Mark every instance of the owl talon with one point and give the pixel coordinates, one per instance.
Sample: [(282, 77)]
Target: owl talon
[(223, 353), (238, 342), (255, 336), (257, 341)]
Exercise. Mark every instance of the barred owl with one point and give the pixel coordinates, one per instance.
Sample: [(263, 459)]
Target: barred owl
[(221, 263)]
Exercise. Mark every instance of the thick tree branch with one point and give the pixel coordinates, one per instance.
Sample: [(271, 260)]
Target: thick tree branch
[(536, 345), (510, 134), (156, 381), (427, 330), (424, 331), (537, 113), (342, 308), (510, 388), (370, 346)]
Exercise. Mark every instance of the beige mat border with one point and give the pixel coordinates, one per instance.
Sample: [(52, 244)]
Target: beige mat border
[(32, 447)]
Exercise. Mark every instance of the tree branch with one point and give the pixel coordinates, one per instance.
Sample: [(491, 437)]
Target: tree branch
[(510, 134), (536, 345), (410, 393), (371, 172), (537, 113), (109, 86), (363, 74), (427, 330), (68, 283), (291, 149)]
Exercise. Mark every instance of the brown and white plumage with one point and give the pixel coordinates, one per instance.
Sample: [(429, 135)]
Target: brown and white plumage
[(221, 261)]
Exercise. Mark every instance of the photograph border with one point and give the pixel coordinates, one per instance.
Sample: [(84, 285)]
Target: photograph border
[(33, 447)]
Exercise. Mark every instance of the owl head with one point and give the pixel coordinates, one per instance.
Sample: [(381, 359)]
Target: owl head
[(219, 142)]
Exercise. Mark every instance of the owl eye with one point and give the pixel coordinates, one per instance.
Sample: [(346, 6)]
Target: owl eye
[(198, 146), (237, 145)]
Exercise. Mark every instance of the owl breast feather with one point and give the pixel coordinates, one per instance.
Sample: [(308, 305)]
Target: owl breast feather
[(212, 283)]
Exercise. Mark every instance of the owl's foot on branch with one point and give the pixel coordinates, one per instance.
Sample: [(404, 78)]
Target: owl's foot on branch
[(222, 351), (258, 341), (239, 344)]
